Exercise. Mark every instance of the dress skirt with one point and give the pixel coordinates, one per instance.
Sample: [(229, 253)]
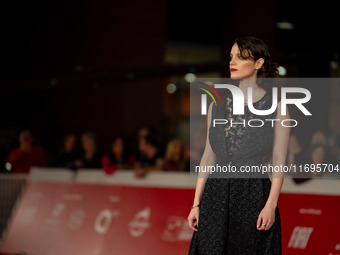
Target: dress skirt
[(228, 217)]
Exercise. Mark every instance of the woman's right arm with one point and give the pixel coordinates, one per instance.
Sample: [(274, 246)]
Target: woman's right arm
[(208, 159)]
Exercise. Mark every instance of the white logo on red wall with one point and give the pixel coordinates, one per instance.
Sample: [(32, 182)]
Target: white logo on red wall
[(337, 247), (53, 222), (177, 229), (299, 238), (310, 211), (76, 219), (58, 209), (103, 220), (140, 222), (28, 215)]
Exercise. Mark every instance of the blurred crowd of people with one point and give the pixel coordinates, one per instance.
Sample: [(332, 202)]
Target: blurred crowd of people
[(319, 155), (151, 155), (83, 152)]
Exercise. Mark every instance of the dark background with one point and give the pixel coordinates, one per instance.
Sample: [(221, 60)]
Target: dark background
[(76, 66)]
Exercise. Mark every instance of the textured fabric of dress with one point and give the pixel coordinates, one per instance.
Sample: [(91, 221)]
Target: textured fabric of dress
[(230, 206)]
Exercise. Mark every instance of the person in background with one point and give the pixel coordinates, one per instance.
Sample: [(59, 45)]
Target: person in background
[(294, 155), (337, 150), (26, 155), (150, 132), (68, 153), (337, 156), (194, 151), (317, 156), (118, 157), (90, 158), (144, 131), (318, 137), (152, 159), (141, 152), (174, 156)]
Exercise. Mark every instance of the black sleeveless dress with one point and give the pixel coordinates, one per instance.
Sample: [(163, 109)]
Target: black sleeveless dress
[(231, 204)]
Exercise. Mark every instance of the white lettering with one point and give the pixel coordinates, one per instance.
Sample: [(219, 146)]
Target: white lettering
[(238, 102), (300, 237), (103, 221)]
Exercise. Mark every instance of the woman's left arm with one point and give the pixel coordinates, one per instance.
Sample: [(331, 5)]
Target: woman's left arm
[(280, 147)]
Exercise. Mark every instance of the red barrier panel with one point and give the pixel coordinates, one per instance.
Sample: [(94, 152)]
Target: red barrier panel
[(310, 224), (55, 218), (62, 219)]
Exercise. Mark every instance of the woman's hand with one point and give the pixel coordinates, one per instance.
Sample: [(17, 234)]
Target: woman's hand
[(193, 218), (266, 216)]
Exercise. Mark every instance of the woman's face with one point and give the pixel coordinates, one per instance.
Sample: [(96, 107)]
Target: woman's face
[(89, 145), (118, 146), (318, 155), (319, 137), (177, 149), (242, 68), (70, 142)]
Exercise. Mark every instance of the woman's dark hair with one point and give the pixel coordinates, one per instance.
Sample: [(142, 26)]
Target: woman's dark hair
[(254, 48)]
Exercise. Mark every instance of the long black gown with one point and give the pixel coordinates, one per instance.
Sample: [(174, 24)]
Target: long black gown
[(230, 206)]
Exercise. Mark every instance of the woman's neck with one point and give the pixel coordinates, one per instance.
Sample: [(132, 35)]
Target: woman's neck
[(248, 83)]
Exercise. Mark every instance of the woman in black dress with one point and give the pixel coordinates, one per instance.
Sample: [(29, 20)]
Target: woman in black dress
[(240, 215)]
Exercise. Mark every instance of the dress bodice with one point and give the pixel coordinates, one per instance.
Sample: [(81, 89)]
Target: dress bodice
[(249, 137)]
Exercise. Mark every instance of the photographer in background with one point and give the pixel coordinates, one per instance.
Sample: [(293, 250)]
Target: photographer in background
[(26, 155)]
